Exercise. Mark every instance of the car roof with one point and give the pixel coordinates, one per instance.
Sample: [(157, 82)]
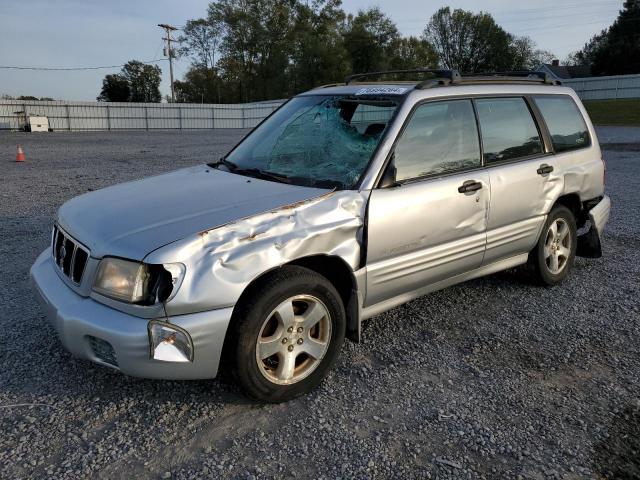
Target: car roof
[(443, 83), (403, 88)]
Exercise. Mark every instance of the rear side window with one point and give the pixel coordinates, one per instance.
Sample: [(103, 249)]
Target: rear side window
[(564, 120), (440, 138), (508, 129)]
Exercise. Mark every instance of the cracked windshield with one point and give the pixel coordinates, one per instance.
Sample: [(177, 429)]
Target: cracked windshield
[(319, 141)]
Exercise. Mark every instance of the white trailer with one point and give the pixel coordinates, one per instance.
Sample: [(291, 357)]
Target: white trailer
[(37, 124)]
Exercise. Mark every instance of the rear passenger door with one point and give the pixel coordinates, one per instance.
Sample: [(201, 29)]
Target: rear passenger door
[(520, 173)]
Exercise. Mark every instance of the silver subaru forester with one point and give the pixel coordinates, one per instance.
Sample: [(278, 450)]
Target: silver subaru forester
[(347, 201)]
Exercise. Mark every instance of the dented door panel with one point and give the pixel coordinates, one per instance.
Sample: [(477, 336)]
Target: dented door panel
[(583, 172)]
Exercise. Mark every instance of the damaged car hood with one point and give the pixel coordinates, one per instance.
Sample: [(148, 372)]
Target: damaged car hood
[(132, 219)]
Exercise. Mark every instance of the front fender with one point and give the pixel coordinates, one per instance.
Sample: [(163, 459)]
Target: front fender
[(222, 262)]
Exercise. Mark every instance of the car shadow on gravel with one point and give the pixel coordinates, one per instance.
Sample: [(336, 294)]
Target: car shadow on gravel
[(618, 455)]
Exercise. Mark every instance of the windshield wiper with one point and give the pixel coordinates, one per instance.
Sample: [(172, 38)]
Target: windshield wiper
[(252, 172), (332, 184), (223, 161), (263, 174)]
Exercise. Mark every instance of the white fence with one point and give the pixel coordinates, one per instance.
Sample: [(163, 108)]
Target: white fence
[(134, 116), (602, 88), (153, 116)]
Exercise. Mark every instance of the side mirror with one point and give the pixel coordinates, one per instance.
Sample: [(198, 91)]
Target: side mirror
[(388, 179)]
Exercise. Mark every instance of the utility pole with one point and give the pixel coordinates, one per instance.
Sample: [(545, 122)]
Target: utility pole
[(168, 28)]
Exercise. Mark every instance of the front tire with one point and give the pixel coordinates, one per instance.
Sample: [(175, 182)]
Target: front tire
[(286, 334), (553, 256)]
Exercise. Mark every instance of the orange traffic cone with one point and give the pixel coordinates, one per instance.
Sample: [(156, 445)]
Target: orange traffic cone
[(20, 155)]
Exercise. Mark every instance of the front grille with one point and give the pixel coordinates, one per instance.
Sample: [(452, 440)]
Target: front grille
[(68, 255), (103, 350)]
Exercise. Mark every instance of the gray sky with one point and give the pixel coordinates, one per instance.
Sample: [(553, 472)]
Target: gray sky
[(80, 33)]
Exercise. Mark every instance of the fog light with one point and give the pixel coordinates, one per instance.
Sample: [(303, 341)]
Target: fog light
[(169, 343)]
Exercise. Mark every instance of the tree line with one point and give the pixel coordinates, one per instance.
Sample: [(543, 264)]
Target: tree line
[(244, 51), (615, 50), (264, 49)]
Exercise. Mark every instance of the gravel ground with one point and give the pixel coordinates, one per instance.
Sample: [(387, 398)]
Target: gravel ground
[(494, 378)]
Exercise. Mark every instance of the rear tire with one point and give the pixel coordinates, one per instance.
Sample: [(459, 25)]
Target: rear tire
[(286, 334), (552, 258)]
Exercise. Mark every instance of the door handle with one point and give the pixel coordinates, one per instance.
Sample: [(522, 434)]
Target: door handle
[(544, 169), (469, 186)]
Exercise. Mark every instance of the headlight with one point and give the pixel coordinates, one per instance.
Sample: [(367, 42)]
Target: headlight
[(135, 282), (121, 279)]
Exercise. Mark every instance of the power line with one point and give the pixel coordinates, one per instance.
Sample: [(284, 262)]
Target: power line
[(584, 15), (599, 7), (155, 55), (606, 5), (542, 28), (70, 69), (502, 20)]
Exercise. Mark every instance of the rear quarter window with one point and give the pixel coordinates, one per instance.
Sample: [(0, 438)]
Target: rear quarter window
[(565, 123)]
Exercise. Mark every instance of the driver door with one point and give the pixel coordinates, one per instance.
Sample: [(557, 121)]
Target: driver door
[(432, 224)]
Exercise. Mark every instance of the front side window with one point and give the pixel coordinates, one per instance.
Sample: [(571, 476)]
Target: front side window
[(441, 137), (508, 129), (564, 120), (319, 141)]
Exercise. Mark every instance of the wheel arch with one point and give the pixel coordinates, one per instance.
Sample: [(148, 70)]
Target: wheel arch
[(573, 202), (341, 276)]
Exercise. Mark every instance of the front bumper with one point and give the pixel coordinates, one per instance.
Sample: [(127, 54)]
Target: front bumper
[(590, 244), (107, 336)]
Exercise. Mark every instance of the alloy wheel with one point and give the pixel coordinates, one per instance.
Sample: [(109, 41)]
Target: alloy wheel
[(557, 246), (293, 339)]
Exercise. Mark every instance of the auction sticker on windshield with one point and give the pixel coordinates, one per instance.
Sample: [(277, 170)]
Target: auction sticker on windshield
[(381, 91)]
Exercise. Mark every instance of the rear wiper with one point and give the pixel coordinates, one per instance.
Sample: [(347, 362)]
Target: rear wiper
[(223, 161)]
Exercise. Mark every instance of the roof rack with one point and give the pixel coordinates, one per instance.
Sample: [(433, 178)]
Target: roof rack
[(451, 76), (328, 85), (442, 77), (516, 76)]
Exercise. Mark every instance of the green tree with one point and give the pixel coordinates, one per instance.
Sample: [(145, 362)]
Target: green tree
[(615, 50), (412, 52), (586, 56), (136, 82), (618, 52), (144, 81), (115, 88), (526, 56), (200, 85), (368, 38), (469, 42), (200, 40), (318, 55), (254, 46)]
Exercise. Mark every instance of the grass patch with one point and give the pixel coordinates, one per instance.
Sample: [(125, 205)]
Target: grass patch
[(614, 112)]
